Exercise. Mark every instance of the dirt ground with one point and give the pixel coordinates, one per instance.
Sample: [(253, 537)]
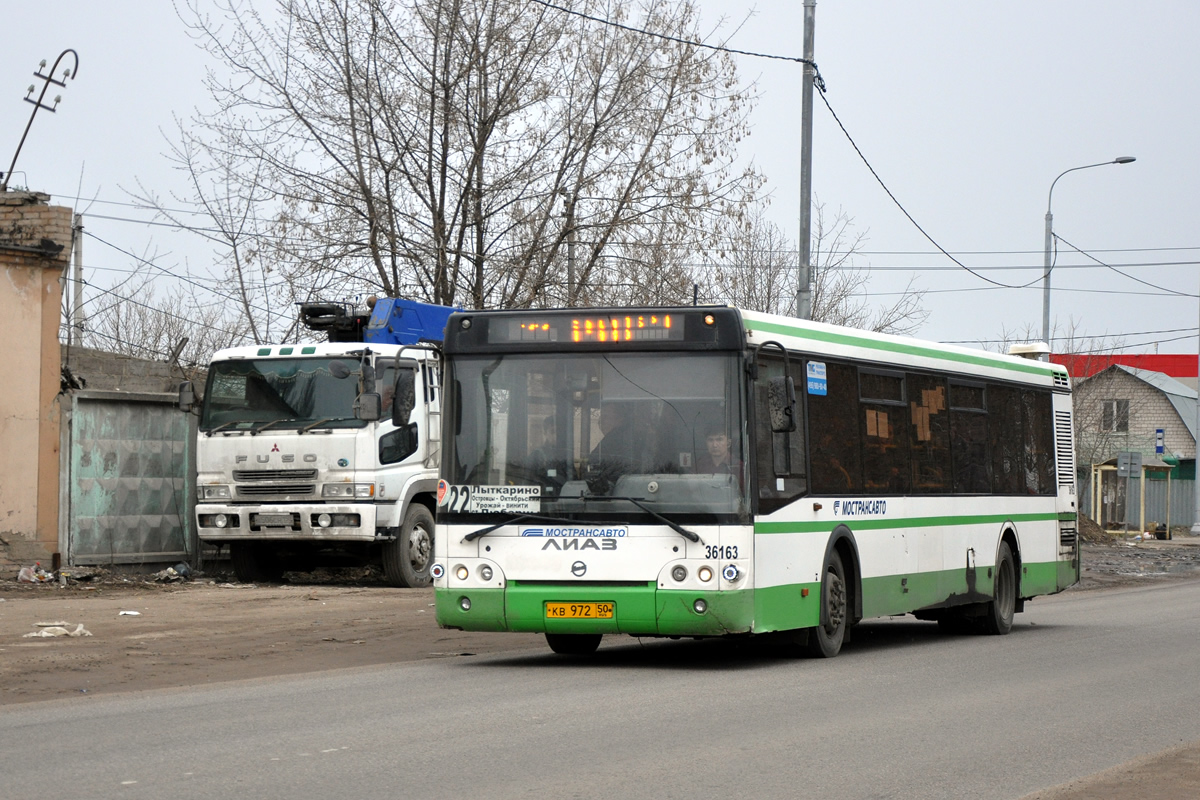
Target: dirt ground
[(148, 634)]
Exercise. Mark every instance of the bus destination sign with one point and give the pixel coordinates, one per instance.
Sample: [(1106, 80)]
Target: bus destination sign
[(588, 328)]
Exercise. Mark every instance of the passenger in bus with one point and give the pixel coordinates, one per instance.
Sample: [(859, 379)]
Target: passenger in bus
[(617, 436), (545, 461)]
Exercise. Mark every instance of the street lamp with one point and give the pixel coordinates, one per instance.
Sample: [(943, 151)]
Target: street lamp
[(1050, 239)]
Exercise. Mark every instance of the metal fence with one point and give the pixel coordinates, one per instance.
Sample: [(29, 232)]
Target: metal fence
[(127, 477)]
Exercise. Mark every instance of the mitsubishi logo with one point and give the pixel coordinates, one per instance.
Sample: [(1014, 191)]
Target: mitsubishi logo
[(275, 448), (578, 569)]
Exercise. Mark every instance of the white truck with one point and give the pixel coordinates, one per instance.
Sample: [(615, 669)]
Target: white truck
[(311, 454)]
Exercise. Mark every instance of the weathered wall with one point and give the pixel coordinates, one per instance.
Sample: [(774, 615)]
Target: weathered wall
[(100, 370), (35, 245)]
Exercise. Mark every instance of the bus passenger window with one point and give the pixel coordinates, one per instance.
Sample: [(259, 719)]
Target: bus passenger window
[(886, 467), (929, 434), (833, 422), (969, 439), (1005, 439)]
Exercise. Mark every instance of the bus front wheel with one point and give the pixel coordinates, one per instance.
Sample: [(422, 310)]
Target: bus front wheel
[(573, 644), (999, 617), (826, 639)]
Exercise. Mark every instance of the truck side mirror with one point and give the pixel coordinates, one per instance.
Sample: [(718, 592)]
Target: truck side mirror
[(187, 397), (781, 404), (406, 396), (368, 406)]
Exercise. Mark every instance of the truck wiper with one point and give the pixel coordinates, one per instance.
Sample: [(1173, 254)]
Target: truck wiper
[(259, 429), (318, 423), (473, 535), (637, 501)]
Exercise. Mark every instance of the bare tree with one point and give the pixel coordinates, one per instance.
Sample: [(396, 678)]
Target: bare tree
[(475, 152), (134, 320), (755, 267)]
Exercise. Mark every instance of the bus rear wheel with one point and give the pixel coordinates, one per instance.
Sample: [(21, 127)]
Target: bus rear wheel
[(999, 617), (573, 644), (827, 638)]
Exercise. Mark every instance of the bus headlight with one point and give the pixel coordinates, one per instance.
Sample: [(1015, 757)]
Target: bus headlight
[(705, 574), (324, 520), (213, 492), (700, 606), (464, 603), (461, 572), (220, 520), (485, 572), (679, 573)]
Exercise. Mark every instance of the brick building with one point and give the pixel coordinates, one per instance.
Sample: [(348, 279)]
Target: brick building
[(1120, 409)]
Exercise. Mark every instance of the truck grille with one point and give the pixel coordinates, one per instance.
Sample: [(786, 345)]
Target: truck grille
[(274, 474), (276, 490)]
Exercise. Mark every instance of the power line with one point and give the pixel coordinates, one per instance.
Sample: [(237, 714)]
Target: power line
[(1095, 336), (167, 272), (784, 251), (1124, 274), (817, 79)]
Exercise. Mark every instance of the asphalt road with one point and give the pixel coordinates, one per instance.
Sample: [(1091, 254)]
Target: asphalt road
[(1086, 681)]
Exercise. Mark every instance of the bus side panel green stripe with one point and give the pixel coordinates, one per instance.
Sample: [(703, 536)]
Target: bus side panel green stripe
[(782, 608), (867, 524), (1031, 368), (647, 611)]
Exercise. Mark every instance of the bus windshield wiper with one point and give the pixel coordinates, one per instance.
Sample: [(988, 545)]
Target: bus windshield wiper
[(473, 535), (637, 501)]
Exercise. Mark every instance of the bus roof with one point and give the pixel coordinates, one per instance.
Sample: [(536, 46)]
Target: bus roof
[(890, 350)]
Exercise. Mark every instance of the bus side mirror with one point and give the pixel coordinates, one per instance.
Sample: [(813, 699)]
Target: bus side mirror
[(368, 406), (406, 397), (187, 397), (781, 404)]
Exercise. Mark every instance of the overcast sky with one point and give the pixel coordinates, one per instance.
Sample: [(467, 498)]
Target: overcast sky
[(966, 110)]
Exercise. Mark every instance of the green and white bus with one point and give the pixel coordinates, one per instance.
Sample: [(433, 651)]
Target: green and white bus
[(705, 471)]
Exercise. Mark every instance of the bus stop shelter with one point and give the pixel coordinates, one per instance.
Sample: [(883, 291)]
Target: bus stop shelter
[(1107, 484)]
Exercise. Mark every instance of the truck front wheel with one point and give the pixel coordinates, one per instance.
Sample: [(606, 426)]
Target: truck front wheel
[(254, 562), (406, 558)]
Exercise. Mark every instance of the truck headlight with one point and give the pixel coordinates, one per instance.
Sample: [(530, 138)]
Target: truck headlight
[(348, 490), (212, 492)]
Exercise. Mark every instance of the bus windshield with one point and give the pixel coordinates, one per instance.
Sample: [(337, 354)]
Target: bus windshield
[(254, 394), (667, 431)]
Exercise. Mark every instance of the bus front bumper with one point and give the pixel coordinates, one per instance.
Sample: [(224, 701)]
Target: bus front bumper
[(636, 610)]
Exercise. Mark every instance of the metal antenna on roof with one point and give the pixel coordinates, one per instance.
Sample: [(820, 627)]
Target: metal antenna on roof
[(69, 72)]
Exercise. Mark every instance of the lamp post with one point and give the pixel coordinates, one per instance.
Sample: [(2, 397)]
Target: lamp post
[(1050, 242)]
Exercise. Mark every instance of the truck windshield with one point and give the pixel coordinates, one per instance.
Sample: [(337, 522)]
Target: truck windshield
[(664, 430), (251, 394)]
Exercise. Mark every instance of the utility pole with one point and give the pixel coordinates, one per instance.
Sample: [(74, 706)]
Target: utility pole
[(1196, 479), (75, 331), (570, 253), (804, 287)]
